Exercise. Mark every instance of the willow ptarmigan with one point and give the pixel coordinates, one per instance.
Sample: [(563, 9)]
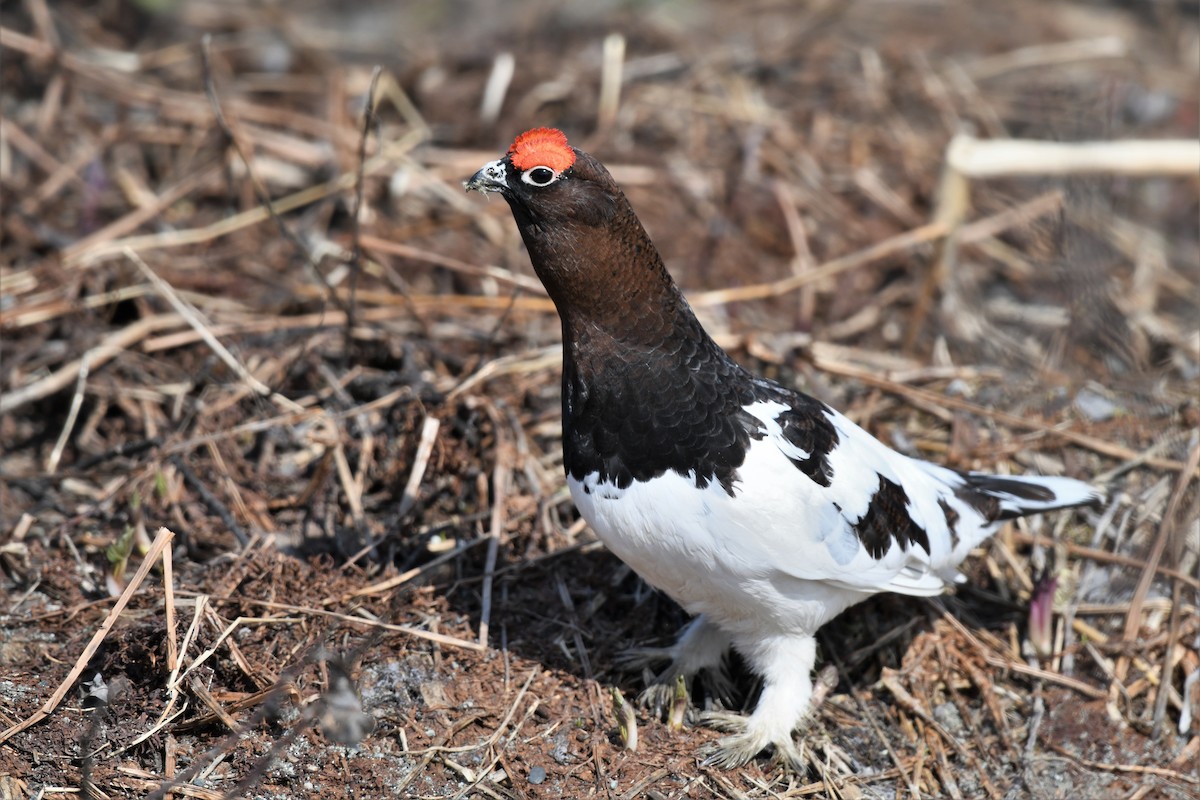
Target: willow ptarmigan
[(759, 509)]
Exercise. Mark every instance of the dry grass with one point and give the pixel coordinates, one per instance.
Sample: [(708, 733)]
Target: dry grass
[(233, 311)]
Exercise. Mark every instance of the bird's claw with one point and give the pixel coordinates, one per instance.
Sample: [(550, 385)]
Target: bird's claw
[(638, 658), (744, 743), (660, 692)]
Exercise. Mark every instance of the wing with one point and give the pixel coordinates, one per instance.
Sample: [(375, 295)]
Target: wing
[(878, 520), (873, 519)]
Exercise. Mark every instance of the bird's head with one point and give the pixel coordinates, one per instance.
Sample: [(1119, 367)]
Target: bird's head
[(548, 183), (585, 241)]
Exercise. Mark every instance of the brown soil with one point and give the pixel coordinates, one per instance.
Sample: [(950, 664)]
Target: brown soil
[(378, 586)]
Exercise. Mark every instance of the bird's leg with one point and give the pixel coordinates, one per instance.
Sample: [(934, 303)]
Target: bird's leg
[(700, 647), (785, 663)]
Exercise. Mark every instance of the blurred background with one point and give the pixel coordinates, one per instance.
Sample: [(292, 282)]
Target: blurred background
[(349, 402)]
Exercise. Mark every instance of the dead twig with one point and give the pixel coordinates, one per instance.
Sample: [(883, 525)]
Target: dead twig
[(260, 191), (161, 542), (203, 328), (986, 158), (1105, 557), (501, 474), (112, 346), (1166, 531), (429, 432), (1133, 769), (1009, 664), (355, 261), (408, 630)]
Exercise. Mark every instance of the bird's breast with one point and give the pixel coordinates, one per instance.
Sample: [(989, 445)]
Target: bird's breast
[(714, 552)]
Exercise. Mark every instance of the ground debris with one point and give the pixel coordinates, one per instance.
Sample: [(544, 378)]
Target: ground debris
[(333, 376)]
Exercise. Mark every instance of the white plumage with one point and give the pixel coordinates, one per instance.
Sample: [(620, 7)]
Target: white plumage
[(764, 568)]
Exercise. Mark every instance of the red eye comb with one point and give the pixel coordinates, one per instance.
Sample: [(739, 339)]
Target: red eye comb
[(542, 147)]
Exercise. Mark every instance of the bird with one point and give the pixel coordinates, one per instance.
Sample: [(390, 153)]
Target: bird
[(761, 510)]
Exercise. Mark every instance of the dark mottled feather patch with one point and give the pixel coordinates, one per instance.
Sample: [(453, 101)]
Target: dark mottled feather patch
[(987, 505), (951, 521), (1022, 490), (807, 426), (887, 520), (998, 498)]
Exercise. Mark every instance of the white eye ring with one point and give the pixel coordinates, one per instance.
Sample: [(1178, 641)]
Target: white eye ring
[(539, 176)]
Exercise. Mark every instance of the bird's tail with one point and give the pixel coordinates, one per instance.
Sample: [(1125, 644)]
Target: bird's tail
[(1001, 497)]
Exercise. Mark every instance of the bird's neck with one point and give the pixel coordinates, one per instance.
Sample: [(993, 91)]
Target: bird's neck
[(611, 288), (641, 376)]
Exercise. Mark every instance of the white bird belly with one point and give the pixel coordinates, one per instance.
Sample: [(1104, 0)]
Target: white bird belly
[(732, 558)]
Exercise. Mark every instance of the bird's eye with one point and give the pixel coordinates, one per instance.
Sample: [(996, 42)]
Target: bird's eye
[(539, 176)]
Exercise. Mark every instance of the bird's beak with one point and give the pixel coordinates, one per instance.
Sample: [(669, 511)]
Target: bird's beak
[(493, 177)]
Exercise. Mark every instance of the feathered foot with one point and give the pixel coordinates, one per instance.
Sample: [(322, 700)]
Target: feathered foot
[(699, 649), (785, 705), (746, 741)]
